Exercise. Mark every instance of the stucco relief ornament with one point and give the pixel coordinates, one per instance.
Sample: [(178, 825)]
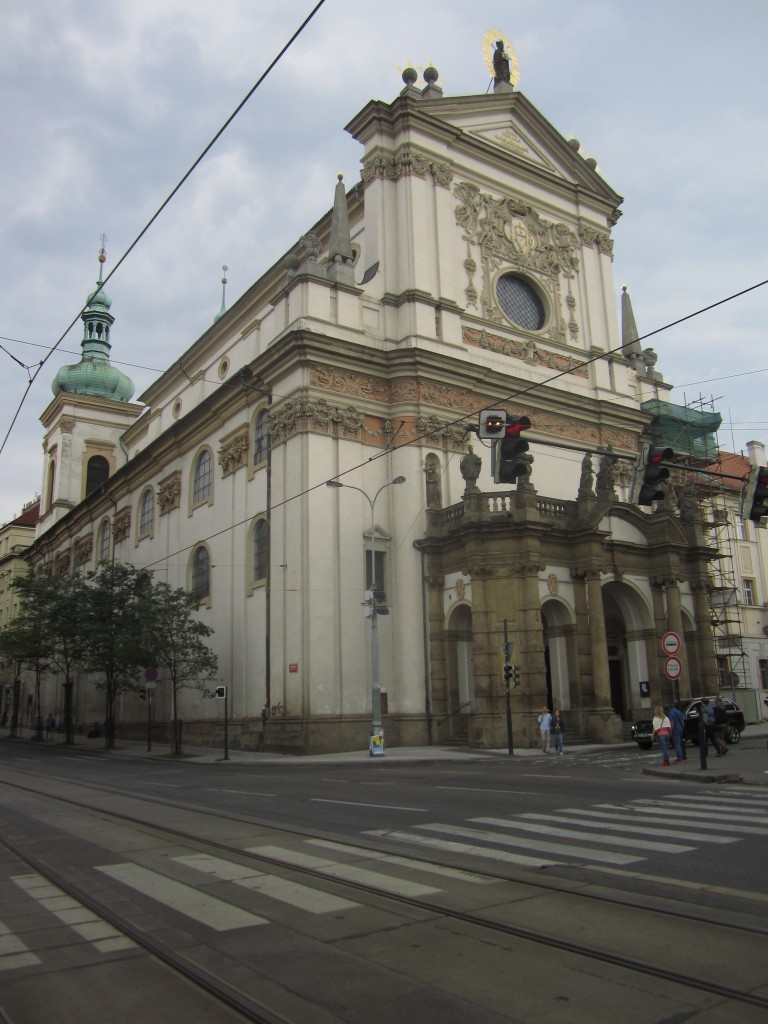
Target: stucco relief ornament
[(459, 589), (552, 583)]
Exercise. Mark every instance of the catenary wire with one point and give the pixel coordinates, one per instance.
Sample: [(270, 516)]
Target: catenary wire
[(163, 205), (456, 422)]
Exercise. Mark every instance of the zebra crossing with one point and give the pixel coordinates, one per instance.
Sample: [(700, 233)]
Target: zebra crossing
[(612, 835), (616, 834)]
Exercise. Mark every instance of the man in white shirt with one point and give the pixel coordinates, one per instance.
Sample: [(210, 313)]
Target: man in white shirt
[(545, 727)]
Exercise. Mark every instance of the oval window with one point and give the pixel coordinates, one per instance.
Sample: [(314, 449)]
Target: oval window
[(520, 302)]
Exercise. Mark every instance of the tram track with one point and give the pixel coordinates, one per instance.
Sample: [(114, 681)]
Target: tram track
[(649, 915), (616, 898)]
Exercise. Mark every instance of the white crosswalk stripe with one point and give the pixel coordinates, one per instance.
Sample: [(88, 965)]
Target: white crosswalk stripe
[(346, 872), (609, 822), (281, 889), (13, 952), (185, 899), (557, 849), (673, 824), (80, 919), (564, 833), (468, 850), (704, 817)]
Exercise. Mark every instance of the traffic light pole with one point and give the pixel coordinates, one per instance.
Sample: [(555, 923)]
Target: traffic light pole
[(507, 652)]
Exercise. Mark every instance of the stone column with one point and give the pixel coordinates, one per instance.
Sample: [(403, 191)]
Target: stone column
[(675, 624), (709, 678), (599, 641)]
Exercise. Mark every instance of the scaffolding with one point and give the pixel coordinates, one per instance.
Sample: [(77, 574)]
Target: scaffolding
[(692, 435)]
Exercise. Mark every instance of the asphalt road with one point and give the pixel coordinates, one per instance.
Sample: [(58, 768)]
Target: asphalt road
[(611, 800)]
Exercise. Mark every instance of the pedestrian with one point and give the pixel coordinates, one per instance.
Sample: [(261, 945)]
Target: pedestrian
[(50, 724), (708, 715), (662, 729), (5, 718), (721, 725), (677, 718), (545, 725), (557, 729)]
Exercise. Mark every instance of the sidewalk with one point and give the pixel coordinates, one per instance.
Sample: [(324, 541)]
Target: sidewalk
[(747, 762)]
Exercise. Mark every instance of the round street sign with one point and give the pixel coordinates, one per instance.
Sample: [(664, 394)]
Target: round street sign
[(670, 643), (672, 668), (150, 674)]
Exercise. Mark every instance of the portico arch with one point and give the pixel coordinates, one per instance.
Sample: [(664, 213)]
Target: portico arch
[(558, 628), (460, 667), (628, 625)]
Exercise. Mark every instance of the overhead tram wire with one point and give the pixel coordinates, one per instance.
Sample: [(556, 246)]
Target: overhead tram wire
[(163, 205), (456, 422)]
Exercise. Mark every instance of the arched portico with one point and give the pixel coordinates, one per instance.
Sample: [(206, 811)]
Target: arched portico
[(460, 664), (558, 625), (628, 626)]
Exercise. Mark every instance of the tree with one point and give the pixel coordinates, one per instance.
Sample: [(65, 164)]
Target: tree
[(49, 632), (118, 611), (175, 644), (25, 642)]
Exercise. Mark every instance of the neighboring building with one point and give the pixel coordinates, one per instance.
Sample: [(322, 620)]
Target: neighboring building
[(739, 595), (470, 269), (15, 538)]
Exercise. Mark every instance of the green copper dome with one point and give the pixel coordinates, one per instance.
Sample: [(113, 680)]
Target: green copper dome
[(94, 374)]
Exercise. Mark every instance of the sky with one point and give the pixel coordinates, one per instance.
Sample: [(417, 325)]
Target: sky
[(108, 103)]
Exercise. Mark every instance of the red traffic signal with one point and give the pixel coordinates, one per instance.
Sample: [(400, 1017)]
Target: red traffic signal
[(649, 474), (511, 462)]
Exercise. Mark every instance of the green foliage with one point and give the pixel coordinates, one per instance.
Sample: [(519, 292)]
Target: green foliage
[(176, 640), (48, 630), (111, 623), (116, 614)]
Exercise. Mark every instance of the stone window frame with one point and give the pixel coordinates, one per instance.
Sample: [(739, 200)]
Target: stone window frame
[(259, 527), (260, 437), (145, 517), (196, 496), (194, 570), (104, 548)]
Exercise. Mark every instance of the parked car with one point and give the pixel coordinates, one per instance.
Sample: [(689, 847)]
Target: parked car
[(642, 731)]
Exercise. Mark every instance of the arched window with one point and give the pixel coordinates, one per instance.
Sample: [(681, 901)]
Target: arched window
[(105, 539), (97, 473), (51, 485), (200, 577), (147, 513), (202, 482), (260, 550), (261, 438)]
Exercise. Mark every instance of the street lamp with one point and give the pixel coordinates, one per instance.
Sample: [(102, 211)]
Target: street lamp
[(377, 733)]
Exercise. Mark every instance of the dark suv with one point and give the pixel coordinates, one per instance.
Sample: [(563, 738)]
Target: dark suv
[(642, 731)]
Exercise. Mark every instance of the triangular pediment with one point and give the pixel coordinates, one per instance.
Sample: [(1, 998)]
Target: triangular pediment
[(514, 127), (512, 138)]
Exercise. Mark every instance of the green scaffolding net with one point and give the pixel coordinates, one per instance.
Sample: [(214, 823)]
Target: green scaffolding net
[(686, 431)]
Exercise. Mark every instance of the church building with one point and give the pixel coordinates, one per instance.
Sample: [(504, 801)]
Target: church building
[(316, 469)]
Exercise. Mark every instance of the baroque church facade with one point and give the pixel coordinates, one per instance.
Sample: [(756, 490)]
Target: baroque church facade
[(470, 268)]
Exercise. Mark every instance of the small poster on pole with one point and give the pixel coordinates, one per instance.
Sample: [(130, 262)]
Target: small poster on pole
[(376, 744)]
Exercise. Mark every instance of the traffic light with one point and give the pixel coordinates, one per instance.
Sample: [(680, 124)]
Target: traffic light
[(649, 473), (492, 423), (756, 495), (511, 675), (510, 465)]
